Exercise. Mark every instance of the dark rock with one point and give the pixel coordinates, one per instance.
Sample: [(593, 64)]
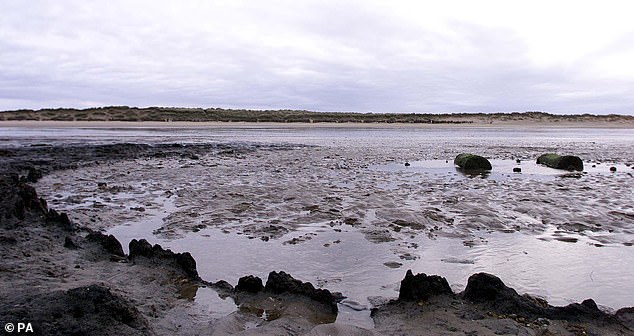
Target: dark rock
[(407, 164), (89, 310), (413, 225), (70, 244), (109, 243), (102, 185), (422, 287), (250, 283), (351, 221), (61, 219), (517, 170), (566, 162), (19, 210), (184, 261), (141, 248), (102, 297), (483, 287), (626, 317), (472, 162), (282, 282), (587, 309), (612, 169), (33, 175), (490, 290), (29, 198), (222, 285)]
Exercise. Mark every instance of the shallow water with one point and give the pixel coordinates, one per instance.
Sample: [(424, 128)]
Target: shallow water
[(349, 216), (345, 261)]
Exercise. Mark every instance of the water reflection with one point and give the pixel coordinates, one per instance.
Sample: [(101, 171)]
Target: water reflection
[(357, 268)]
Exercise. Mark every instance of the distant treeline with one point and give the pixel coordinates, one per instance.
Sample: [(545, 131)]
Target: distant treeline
[(169, 114)]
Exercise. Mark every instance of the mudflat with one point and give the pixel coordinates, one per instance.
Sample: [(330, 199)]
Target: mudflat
[(330, 207)]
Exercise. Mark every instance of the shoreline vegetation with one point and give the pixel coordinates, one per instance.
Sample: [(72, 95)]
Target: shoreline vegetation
[(196, 115)]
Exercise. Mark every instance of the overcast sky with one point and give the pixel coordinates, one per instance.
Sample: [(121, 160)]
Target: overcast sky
[(382, 56)]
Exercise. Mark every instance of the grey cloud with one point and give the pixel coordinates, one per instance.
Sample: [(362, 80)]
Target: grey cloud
[(348, 57)]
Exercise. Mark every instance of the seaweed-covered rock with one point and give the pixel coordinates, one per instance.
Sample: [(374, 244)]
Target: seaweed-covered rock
[(184, 261), (472, 162), (422, 287), (566, 162)]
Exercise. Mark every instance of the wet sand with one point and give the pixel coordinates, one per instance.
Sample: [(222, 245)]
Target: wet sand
[(329, 194)]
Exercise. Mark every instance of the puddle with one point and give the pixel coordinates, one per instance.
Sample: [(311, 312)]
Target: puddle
[(502, 169), (210, 305)]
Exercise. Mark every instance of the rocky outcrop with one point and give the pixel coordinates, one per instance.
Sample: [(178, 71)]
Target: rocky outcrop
[(108, 242), (60, 219), (284, 283), (490, 291), (250, 283), (281, 282), (422, 286), (626, 317), (33, 175), (142, 249)]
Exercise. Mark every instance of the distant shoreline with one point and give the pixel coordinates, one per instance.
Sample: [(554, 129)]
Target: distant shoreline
[(247, 125), (124, 116)]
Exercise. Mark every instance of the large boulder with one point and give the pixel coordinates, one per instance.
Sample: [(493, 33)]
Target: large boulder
[(566, 162), (472, 162), (422, 286)]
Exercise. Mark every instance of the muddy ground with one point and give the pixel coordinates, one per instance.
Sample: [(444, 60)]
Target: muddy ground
[(67, 281)]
